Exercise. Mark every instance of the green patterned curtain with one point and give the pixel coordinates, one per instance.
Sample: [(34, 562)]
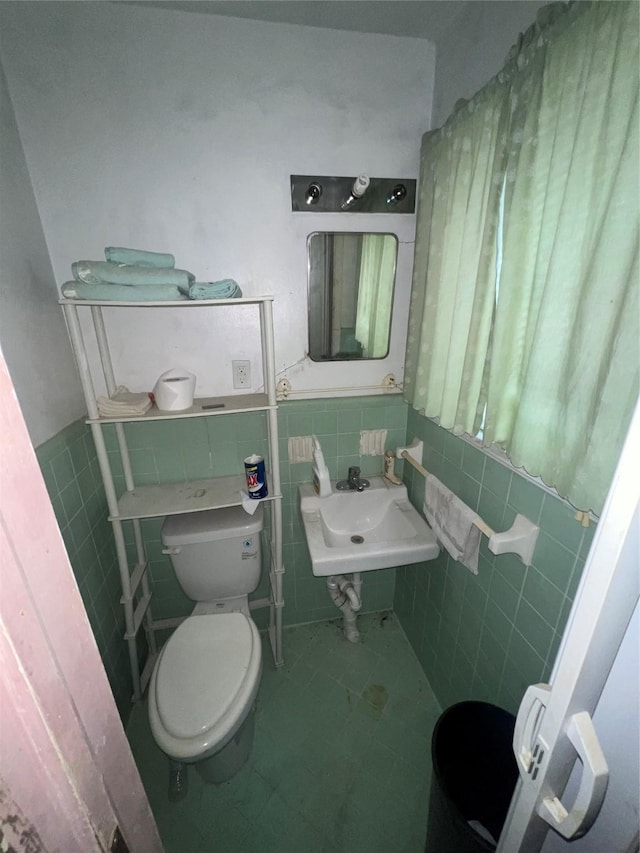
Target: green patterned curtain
[(559, 360)]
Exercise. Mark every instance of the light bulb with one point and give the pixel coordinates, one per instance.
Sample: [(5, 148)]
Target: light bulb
[(397, 194), (359, 188), (314, 192)]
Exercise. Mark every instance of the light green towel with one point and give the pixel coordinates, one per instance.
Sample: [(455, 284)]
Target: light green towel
[(105, 272), (122, 292), (225, 289), (138, 257)]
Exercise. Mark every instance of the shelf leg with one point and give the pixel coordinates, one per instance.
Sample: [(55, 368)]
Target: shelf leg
[(148, 617)]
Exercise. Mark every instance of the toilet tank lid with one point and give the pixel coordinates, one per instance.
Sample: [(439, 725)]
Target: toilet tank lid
[(210, 525)]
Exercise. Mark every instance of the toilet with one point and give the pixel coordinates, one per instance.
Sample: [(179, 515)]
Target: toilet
[(204, 684)]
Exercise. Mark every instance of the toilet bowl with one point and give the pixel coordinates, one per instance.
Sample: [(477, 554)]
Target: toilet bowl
[(202, 693), (204, 684)]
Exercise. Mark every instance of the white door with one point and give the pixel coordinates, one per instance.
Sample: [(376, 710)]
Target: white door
[(556, 736)]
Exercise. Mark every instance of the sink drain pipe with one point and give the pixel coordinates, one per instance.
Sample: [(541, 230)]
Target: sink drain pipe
[(345, 594)]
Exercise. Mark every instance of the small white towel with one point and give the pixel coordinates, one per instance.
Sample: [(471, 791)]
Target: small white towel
[(452, 522), (124, 403)]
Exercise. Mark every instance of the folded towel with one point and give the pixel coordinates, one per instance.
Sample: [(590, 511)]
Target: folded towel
[(120, 255), (225, 289), (452, 522), (122, 292), (105, 272), (124, 403)]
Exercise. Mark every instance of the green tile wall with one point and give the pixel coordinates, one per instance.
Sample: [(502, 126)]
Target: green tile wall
[(70, 469), (488, 636)]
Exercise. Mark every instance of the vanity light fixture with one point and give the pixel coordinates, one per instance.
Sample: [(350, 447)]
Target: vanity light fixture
[(359, 188), (342, 194), (313, 194), (397, 194)]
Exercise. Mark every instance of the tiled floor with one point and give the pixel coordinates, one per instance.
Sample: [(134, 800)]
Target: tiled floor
[(341, 758)]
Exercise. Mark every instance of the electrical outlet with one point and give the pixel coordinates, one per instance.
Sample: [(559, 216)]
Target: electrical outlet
[(241, 374)]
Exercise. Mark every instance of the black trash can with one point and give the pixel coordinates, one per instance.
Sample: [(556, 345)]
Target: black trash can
[(474, 775)]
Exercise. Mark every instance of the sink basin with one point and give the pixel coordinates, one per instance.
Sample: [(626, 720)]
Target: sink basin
[(364, 531)]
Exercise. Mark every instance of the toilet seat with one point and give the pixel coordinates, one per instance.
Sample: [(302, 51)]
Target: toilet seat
[(204, 683)]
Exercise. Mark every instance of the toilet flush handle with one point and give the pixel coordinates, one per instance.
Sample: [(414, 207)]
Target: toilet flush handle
[(171, 551)]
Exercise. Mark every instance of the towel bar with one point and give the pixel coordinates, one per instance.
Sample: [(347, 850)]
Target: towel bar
[(479, 523), (519, 539)]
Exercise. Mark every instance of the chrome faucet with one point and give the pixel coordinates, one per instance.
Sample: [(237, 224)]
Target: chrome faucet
[(353, 482)]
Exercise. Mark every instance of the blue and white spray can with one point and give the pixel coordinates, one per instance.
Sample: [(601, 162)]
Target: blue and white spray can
[(256, 477)]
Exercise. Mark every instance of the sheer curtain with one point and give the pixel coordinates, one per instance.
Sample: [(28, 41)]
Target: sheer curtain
[(560, 361), (375, 293), (454, 277), (563, 373)]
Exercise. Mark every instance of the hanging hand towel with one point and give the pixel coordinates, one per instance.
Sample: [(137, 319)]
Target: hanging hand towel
[(138, 257), (104, 272), (452, 522)]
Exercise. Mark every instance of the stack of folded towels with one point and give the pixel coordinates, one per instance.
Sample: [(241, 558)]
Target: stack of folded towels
[(133, 275), (124, 403)]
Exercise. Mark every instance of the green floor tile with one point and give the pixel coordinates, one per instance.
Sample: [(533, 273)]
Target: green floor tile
[(341, 758)]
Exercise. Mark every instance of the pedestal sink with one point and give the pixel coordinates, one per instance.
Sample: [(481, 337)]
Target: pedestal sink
[(353, 531)]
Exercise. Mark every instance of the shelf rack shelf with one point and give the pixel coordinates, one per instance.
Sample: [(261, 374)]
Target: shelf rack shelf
[(203, 407), (175, 498), (143, 501)]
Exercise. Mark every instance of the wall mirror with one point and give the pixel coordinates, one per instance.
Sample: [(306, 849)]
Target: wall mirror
[(351, 278)]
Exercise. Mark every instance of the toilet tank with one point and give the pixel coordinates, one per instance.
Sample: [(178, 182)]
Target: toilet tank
[(216, 553)]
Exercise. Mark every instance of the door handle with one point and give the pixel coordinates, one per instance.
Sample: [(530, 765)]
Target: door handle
[(593, 783), (533, 704)]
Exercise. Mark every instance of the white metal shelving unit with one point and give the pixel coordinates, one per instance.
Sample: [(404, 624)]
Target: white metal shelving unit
[(139, 502)]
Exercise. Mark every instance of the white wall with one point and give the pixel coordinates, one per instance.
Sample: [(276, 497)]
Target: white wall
[(177, 132), (33, 336), (475, 49)]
